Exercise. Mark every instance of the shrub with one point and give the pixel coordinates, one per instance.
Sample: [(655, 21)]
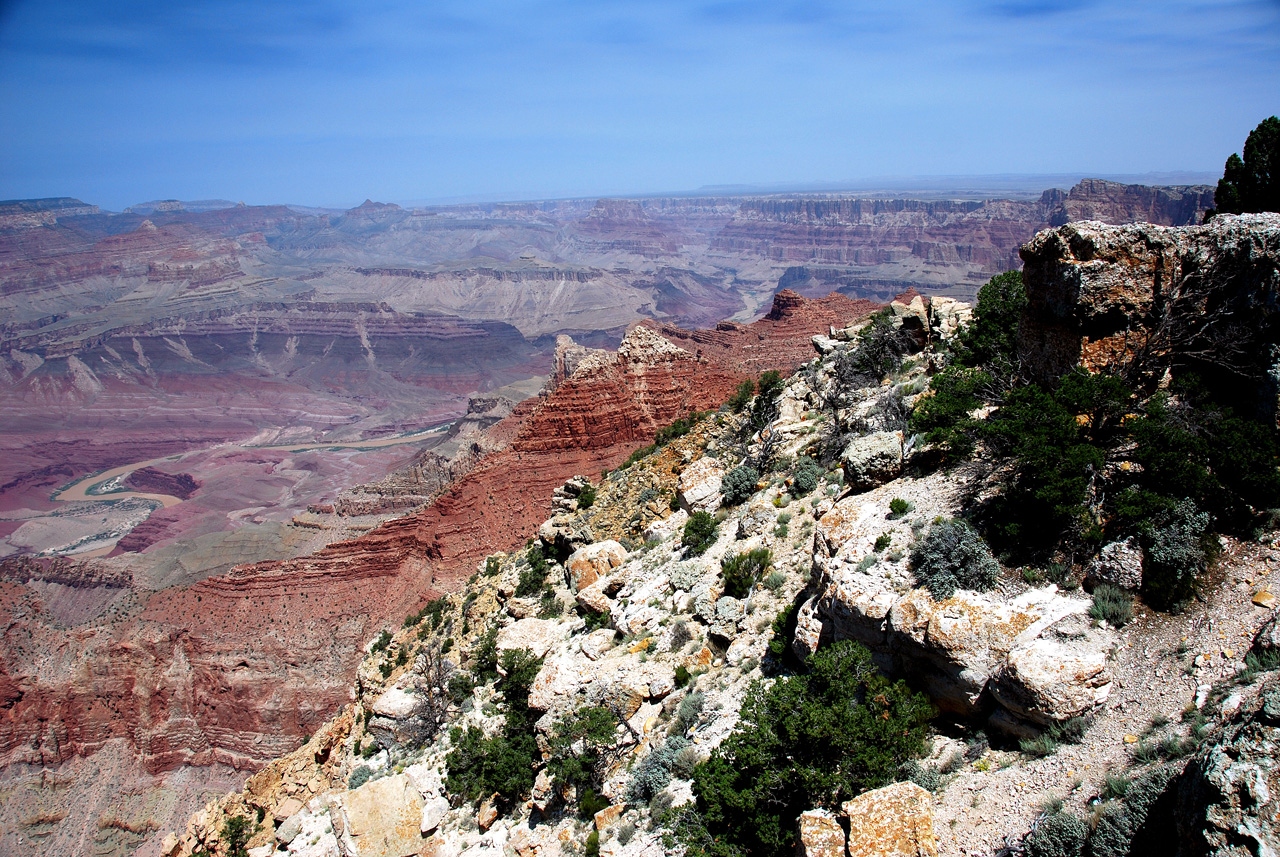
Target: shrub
[(380, 644), (1112, 604), (741, 571), (236, 831), (534, 576), (1175, 555), (700, 533), (484, 657), (592, 848), (882, 541), (1060, 834), (808, 740), (1116, 833), (460, 687), (587, 498), (806, 476), (953, 556), (992, 336), (775, 581), (626, 832), (590, 803), (783, 628), (478, 766), (742, 396), (550, 607), (739, 484), (689, 711), (359, 776), (683, 676), (654, 771), (492, 565), (685, 762), (943, 417), (1056, 460), (899, 507), (576, 743)]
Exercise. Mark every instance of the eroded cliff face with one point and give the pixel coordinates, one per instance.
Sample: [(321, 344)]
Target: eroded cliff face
[(1141, 299)]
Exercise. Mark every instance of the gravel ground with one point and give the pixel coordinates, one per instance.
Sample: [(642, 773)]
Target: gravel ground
[(1162, 661)]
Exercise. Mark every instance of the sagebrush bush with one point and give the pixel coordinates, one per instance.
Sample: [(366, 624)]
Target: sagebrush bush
[(953, 556), (1112, 604), (689, 711), (700, 533), (1060, 834), (739, 484), (359, 776), (806, 476), (654, 771), (1175, 555)]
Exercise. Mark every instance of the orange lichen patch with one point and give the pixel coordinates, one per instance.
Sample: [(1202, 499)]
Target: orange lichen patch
[(895, 821)]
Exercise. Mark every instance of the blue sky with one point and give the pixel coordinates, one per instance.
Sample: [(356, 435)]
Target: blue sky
[(122, 101)]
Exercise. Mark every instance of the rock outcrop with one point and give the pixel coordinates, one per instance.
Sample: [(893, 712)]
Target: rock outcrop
[(1034, 656), (1143, 299), (1228, 796)]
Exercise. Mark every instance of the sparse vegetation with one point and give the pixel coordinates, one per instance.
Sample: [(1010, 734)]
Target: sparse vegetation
[(953, 556), (700, 533), (809, 740), (739, 484)]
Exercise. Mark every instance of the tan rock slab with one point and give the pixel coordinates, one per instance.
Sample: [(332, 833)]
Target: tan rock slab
[(895, 821), (609, 816), (383, 817), (820, 835), (587, 565)]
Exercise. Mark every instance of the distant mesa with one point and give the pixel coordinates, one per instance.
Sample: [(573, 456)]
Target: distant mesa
[(177, 205)]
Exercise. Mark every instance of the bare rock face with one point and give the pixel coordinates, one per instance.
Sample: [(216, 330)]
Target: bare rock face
[(699, 489), (1147, 298), (382, 818), (587, 565), (1119, 564), (1228, 796), (821, 834), (894, 821)]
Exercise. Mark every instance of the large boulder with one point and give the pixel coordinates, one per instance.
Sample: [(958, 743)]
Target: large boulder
[(587, 565), (873, 459), (1051, 680), (382, 818), (699, 489), (894, 821), (1119, 564)]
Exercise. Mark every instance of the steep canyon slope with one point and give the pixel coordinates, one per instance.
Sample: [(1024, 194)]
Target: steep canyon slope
[(232, 670)]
